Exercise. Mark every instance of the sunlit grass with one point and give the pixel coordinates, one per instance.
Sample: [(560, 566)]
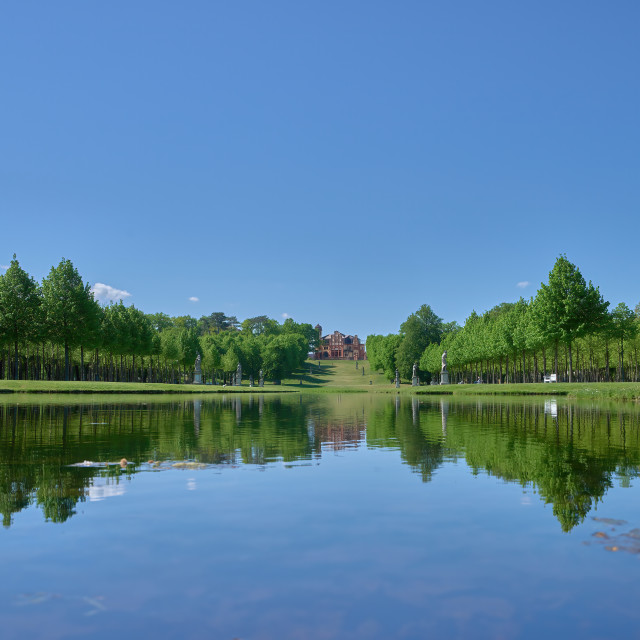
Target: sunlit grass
[(336, 376)]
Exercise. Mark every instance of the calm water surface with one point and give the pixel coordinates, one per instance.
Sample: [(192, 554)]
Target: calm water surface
[(352, 516)]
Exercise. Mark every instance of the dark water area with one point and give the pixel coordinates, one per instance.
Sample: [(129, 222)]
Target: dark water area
[(337, 516)]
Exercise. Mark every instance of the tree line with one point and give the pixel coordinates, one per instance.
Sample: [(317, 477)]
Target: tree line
[(567, 328), (57, 330)]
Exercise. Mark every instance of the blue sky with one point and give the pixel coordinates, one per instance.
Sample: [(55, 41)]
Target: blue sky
[(339, 162)]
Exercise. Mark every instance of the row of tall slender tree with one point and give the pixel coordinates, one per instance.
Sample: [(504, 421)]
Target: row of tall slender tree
[(57, 330), (566, 329)]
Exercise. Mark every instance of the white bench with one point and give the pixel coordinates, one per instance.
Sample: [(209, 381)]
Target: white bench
[(550, 378)]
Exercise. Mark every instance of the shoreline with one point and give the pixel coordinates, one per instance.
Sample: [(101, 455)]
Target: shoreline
[(619, 391)]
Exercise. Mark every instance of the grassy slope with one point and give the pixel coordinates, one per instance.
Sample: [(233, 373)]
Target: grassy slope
[(334, 376), (337, 374)]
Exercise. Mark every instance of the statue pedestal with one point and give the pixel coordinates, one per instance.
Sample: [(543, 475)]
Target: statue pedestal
[(197, 378), (415, 382), (444, 377)]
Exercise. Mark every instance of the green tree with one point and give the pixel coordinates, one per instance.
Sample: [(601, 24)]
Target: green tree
[(419, 330), (90, 332), (303, 328), (20, 308), (189, 346), (218, 321), (381, 351), (229, 360), (186, 322), (160, 321), (171, 348), (68, 305), (567, 308), (624, 327), (259, 325)]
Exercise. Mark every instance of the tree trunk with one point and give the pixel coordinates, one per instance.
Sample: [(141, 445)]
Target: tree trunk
[(16, 365), (66, 362), (556, 362), (82, 363), (570, 363)]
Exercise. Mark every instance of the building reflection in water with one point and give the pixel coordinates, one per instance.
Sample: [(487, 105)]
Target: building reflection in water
[(570, 453)]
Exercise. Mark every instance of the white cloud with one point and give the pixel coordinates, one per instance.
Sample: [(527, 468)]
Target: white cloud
[(4, 266), (286, 315), (105, 293), (194, 299), (524, 284)]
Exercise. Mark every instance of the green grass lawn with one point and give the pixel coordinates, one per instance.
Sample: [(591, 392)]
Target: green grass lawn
[(602, 390), (332, 375), (337, 376), (37, 386)]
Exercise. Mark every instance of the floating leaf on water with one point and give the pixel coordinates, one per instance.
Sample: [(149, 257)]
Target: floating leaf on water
[(611, 521), (628, 541), (189, 465)]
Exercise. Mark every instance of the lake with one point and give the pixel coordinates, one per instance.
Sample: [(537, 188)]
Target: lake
[(318, 516)]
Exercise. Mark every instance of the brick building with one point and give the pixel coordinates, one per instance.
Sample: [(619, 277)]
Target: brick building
[(338, 346)]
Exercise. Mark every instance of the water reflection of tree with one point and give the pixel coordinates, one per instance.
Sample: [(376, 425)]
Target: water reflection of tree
[(39, 442), (570, 458), (570, 455), (395, 425)]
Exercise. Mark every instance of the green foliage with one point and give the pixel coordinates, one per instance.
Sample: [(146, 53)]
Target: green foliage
[(419, 330), (567, 308), (624, 326), (160, 321), (20, 308), (170, 340), (260, 325), (303, 328), (189, 346), (69, 307), (381, 352), (283, 354), (217, 322)]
